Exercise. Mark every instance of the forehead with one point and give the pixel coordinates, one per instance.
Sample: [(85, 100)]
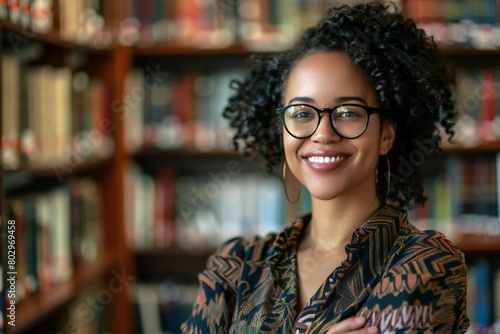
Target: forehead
[(328, 75)]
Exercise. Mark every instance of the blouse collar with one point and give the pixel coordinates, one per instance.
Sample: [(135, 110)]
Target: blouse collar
[(383, 226)]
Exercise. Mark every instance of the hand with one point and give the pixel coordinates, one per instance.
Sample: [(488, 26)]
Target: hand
[(352, 326)]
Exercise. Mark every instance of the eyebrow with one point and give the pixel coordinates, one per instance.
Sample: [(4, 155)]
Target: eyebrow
[(338, 100)]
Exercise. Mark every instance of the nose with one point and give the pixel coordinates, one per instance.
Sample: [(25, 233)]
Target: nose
[(324, 133)]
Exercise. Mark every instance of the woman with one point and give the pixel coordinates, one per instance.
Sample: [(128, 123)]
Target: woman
[(350, 107)]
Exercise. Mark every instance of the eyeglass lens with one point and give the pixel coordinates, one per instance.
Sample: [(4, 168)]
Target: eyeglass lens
[(349, 121)]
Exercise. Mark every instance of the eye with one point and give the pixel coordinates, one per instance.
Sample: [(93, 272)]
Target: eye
[(349, 112), (301, 113)]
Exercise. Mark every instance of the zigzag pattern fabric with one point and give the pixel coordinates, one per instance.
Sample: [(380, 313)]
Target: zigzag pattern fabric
[(401, 279)]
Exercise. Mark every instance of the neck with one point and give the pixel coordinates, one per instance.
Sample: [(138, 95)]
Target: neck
[(333, 221)]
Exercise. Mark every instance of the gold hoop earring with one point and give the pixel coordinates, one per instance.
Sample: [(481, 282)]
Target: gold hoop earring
[(388, 178), (290, 181)]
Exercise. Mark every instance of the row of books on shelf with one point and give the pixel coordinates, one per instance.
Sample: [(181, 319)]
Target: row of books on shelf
[(470, 23), (258, 24), (54, 233), (52, 116), (185, 109), (483, 296), (177, 110), (207, 24), (81, 21), (274, 25), (201, 211), (170, 208), (162, 307), (477, 93), (462, 197)]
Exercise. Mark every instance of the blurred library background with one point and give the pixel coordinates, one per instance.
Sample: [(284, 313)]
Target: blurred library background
[(118, 179)]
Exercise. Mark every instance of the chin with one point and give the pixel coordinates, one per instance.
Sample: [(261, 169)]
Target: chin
[(324, 189), (324, 195)]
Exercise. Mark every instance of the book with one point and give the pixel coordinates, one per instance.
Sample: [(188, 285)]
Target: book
[(182, 111), (55, 236), (42, 15), (488, 100), (60, 136), (174, 209), (31, 280), (161, 307), (496, 296), (164, 232), (484, 305), (82, 21), (469, 23), (4, 9), (147, 298), (11, 86), (462, 197)]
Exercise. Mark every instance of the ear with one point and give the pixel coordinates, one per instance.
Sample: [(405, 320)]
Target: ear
[(387, 137)]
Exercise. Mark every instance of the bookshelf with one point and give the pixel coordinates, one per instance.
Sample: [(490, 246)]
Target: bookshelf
[(460, 55), (43, 305), (158, 184), (462, 183), (71, 180)]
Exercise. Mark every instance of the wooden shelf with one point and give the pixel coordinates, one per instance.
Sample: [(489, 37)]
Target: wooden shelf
[(47, 172), (458, 51), (471, 244), (108, 63), (24, 176), (195, 161), (189, 153), (490, 147), (176, 251), (177, 263), (29, 179), (180, 50), (38, 307), (237, 49), (50, 38)]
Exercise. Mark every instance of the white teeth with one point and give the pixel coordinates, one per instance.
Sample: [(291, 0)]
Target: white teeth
[(321, 160)]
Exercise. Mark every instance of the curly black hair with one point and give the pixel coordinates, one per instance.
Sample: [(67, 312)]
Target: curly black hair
[(409, 76)]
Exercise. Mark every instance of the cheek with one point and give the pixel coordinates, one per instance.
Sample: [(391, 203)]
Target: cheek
[(372, 136), (292, 147)]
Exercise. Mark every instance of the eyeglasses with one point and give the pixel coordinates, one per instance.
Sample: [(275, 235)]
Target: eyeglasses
[(349, 121)]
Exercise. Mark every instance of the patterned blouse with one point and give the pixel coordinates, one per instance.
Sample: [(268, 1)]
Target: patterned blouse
[(401, 279)]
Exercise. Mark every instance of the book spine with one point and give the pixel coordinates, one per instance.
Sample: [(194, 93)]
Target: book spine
[(484, 304), (4, 9), (14, 11), (31, 280), (42, 15), (62, 267), (11, 86)]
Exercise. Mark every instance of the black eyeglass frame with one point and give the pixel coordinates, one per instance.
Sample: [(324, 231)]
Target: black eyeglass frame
[(369, 111)]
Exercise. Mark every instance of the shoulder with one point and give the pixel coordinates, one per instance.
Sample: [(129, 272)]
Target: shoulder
[(426, 252), (239, 250), (429, 241)]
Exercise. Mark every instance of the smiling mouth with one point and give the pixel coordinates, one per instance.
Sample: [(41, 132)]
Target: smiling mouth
[(325, 160)]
